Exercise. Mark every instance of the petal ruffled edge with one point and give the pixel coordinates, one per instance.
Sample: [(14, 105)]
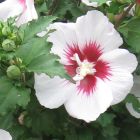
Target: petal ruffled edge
[(52, 92), (89, 107)]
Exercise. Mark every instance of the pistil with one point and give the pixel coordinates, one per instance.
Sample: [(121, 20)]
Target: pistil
[(84, 68)]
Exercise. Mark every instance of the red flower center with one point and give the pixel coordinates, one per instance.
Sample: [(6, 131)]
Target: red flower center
[(85, 67)]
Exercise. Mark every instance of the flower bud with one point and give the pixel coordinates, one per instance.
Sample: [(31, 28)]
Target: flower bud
[(13, 72), (6, 30), (12, 36), (8, 45)]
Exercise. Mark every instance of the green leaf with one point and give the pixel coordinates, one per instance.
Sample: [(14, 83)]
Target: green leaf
[(105, 119), (48, 64), (72, 135), (24, 95), (36, 58), (10, 96), (34, 139), (130, 128), (133, 39), (110, 130), (65, 8), (131, 32), (6, 121), (85, 135), (37, 26), (33, 49)]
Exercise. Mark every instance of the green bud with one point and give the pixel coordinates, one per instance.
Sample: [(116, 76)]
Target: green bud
[(6, 30), (13, 72), (13, 36), (8, 45), (19, 60)]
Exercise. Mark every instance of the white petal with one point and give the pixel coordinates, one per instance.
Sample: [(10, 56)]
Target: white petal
[(10, 8), (132, 111), (29, 13), (122, 64), (120, 58), (120, 83), (95, 27), (89, 108), (63, 36), (52, 93), (4, 135), (94, 4)]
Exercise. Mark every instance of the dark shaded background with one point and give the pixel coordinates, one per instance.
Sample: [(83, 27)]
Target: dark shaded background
[(1, 1)]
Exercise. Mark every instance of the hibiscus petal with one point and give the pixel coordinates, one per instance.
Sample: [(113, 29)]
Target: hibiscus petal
[(4, 135), (121, 83), (23, 8), (63, 36), (89, 107), (28, 14), (95, 27), (122, 64), (10, 8), (120, 58), (52, 93)]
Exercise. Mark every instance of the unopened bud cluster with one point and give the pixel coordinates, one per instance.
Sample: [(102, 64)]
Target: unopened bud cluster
[(11, 38)]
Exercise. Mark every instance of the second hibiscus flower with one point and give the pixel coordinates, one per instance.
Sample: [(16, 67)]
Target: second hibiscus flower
[(89, 51), (24, 9)]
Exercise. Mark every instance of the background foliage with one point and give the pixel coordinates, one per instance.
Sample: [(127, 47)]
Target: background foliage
[(20, 112)]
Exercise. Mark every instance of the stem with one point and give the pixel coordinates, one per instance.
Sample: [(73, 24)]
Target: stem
[(121, 16), (23, 77)]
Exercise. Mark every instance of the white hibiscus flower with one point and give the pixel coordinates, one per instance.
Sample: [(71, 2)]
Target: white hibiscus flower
[(24, 8), (89, 51), (136, 92), (4, 135)]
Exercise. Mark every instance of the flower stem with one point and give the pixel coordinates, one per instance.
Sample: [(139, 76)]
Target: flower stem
[(122, 15)]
